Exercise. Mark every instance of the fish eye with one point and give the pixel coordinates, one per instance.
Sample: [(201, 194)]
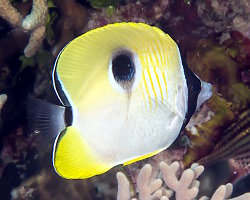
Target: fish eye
[(123, 67)]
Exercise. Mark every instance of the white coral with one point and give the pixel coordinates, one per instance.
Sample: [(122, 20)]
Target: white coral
[(35, 41), (34, 22), (36, 16), (185, 188), (9, 13)]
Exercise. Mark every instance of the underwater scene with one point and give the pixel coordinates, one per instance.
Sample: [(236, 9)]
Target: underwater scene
[(124, 99)]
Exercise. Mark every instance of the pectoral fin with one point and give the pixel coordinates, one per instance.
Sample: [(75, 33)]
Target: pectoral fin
[(73, 158)]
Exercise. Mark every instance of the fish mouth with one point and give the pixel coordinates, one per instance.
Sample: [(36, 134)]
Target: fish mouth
[(205, 93)]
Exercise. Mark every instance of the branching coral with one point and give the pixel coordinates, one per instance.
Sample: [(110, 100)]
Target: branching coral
[(146, 189), (33, 24), (185, 188), (37, 16), (9, 13)]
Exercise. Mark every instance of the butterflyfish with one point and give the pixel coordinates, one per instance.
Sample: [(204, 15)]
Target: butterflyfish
[(128, 94)]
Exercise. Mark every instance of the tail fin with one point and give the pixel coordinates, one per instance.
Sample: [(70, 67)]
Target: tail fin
[(45, 118)]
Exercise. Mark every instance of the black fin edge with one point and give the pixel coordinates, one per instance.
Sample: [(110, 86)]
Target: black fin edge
[(192, 82)]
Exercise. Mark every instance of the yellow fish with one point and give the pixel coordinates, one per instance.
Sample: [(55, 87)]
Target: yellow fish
[(127, 94)]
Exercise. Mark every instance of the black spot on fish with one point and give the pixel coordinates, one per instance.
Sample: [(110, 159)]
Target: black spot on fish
[(123, 67)]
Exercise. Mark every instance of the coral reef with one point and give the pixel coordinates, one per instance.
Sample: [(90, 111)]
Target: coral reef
[(137, 11), (103, 3), (10, 13), (215, 62), (225, 16), (184, 188), (213, 36), (222, 65), (205, 126), (38, 186), (48, 185), (33, 24), (72, 22), (233, 144)]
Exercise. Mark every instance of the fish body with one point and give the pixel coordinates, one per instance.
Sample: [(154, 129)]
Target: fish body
[(129, 95)]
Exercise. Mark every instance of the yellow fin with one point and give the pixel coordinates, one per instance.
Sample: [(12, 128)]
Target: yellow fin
[(73, 158), (142, 157)]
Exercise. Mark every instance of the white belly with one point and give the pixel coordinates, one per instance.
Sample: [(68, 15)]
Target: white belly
[(119, 132)]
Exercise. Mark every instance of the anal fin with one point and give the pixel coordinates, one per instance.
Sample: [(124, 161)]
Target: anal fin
[(73, 158)]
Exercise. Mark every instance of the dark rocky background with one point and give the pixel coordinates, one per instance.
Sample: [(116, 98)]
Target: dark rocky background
[(213, 37)]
